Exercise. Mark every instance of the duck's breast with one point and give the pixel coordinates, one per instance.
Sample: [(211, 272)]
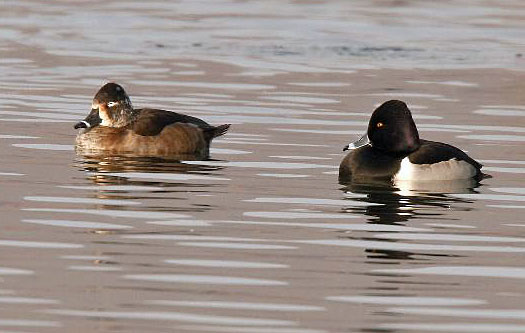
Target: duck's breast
[(368, 163), (98, 138)]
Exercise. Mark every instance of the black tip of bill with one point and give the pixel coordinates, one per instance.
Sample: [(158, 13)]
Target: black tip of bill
[(362, 141)]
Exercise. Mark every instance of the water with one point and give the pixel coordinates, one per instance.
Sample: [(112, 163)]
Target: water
[(261, 238)]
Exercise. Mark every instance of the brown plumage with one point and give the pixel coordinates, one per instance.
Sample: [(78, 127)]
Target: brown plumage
[(114, 127)]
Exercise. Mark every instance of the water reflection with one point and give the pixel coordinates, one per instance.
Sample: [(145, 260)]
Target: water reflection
[(138, 164), (239, 305), (146, 173), (470, 271), (205, 279), (171, 316), (406, 300), (451, 327), (145, 187), (396, 204)]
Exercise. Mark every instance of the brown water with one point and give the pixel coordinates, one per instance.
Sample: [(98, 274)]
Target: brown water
[(262, 238)]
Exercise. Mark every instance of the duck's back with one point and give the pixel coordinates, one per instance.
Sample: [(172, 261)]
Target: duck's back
[(435, 152), (438, 161), (153, 121)]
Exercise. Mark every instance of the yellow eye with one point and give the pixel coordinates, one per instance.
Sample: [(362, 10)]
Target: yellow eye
[(380, 124)]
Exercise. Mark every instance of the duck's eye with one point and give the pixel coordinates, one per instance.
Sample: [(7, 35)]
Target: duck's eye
[(380, 125), (110, 104)]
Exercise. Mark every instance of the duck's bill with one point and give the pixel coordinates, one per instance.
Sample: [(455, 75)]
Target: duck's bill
[(91, 120), (362, 141)]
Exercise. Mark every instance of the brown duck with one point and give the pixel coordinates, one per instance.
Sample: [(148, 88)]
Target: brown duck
[(114, 127)]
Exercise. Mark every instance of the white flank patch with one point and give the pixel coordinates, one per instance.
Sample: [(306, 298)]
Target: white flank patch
[(445, 170)]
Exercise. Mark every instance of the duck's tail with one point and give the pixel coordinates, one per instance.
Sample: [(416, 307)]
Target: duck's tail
[(220, 130), (215, 131)]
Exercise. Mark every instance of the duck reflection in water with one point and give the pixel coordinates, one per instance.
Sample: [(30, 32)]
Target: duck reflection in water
[(402, 201), (158, 179), (398, 203), (102, 169)]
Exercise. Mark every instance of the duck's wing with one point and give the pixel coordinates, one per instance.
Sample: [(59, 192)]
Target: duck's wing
[(152, 121), (435, 152)]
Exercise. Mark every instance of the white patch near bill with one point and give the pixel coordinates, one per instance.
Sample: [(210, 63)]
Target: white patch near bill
[(105, 121), (445, 170)]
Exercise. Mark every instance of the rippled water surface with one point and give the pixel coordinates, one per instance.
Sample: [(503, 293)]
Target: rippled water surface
[(261, 238)]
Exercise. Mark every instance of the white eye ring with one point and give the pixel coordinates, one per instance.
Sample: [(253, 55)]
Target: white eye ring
[(110, 104)]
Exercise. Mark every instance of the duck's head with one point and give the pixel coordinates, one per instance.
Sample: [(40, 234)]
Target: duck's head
[(111, 107), (391, 129)]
